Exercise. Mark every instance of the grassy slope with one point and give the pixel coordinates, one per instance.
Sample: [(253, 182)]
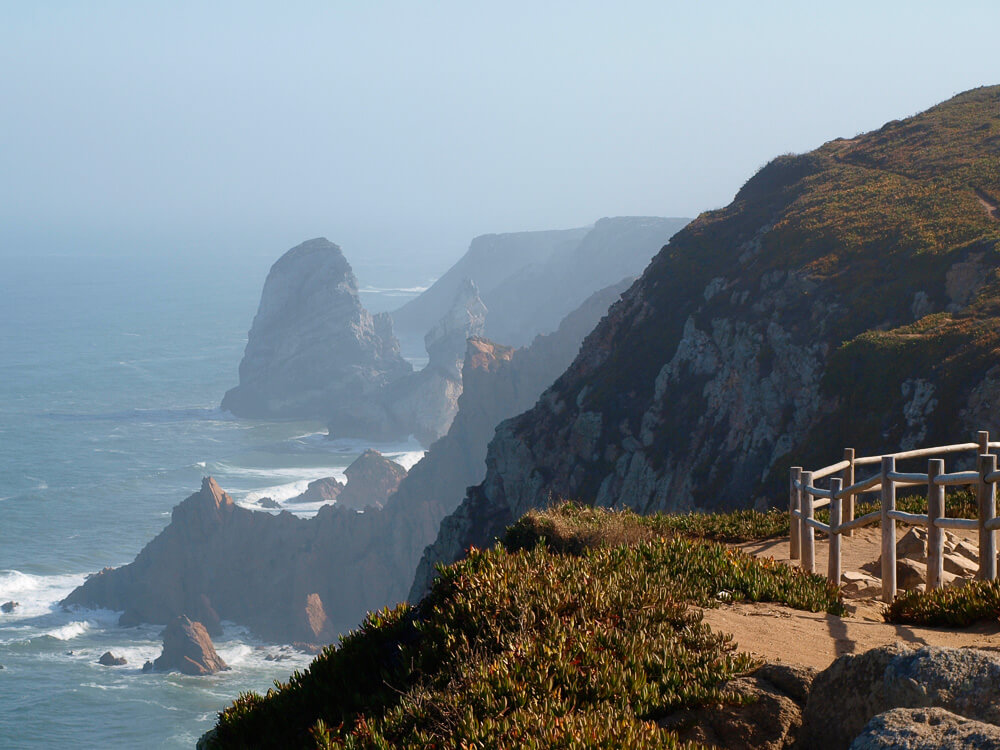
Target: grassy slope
[(580, 640)]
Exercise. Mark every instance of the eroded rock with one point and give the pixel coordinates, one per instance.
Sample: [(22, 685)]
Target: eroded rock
[(187, 648), (926, 729)]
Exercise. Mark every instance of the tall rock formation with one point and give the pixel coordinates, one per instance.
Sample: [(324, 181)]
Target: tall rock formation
[(846, 297), (531, 280), (313, 347), (291, 579)]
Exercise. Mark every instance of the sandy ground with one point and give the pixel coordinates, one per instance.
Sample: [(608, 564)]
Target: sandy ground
[(781, 634)]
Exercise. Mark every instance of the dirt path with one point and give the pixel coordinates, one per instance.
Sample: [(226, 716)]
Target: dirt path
[(781, 634)]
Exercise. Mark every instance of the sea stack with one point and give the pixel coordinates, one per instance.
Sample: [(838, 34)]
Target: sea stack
[(313, 346)]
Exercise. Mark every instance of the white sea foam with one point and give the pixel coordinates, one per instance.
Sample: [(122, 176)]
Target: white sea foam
[(69, 631), (394, 290), (406, 459), (35, 594), (281, 492)]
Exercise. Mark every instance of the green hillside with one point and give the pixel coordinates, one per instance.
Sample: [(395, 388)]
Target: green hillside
[(581, 643)]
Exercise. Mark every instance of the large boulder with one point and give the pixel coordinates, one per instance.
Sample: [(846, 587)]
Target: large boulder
[(313, 350), (856, 687), (926, 729), (187, 648), (766, 716)]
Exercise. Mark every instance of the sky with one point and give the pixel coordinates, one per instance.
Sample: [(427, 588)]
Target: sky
[(405, 129)]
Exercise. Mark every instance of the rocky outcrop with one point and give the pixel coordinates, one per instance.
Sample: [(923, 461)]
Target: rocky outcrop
[(531, 280), (306, 580), (219, 561), (776, 330), (857, 687), (110, 660), (8, 607), (188, 649), (425, 403), (313, 350), (371, 479), (926, 729), (325, 490)]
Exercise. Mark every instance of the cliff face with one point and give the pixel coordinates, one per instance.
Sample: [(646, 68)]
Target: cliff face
[(425, 403), (530, 281), (846, 297), (291, 579), (312, 345)]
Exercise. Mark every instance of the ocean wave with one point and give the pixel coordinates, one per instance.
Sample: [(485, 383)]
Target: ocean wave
[(393, 290), (69, 631), (295, 474), (155, 416), (35, 594)]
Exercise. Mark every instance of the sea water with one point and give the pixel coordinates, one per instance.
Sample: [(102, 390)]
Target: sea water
[(111, 373)]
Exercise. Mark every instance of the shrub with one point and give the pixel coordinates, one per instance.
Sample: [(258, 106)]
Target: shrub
[(533, 648)]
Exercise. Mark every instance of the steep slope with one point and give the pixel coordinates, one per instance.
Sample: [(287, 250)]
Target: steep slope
[(312, 344), (292, 579), (846, 297), (530, 281)]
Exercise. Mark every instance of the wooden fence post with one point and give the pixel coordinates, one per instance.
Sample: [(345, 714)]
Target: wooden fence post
[(848, 479), (983, 438), (888, 530), (833, 565), (935, 537), (793, 505), (986, 495), (808, 538)]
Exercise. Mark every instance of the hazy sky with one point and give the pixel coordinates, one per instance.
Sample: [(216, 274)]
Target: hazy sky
[(158, 127)]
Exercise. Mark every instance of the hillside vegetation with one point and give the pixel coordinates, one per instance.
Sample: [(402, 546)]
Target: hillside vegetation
[(579, 632)]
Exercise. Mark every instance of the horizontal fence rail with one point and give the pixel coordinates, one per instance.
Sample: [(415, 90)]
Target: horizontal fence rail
[(805, 498)]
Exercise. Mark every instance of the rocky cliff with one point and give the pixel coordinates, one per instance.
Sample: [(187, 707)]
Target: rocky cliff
[(530, 281), (424, 403), (313, 347), (846, 297), (292, 579)]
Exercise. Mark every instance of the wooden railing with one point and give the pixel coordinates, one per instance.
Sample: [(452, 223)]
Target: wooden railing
[(805, 498)]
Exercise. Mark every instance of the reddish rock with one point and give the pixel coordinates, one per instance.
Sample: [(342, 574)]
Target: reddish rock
[(110, 660), (370, 480), (187, 648)]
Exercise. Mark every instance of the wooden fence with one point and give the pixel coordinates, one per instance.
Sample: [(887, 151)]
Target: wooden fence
[(844, 487)]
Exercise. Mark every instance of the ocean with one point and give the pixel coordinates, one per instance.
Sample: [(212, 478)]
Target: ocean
[(111, 373)]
